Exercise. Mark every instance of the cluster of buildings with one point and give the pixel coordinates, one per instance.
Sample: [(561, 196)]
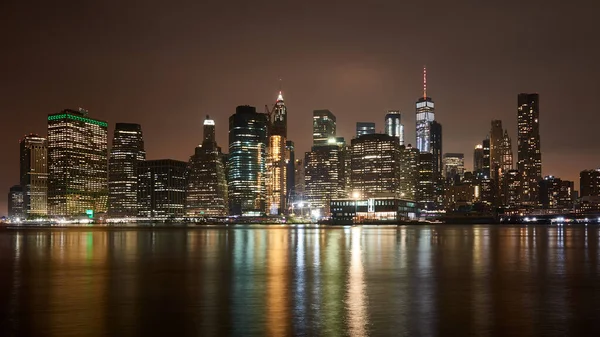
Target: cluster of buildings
[(372, 177)]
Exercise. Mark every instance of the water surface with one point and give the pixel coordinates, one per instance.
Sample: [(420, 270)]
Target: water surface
[(409, 281)]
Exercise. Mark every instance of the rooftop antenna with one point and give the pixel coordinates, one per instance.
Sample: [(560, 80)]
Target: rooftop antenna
[(425, 82)]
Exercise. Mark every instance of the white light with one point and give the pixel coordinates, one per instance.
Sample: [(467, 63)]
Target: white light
[(300, 204), (316, 213), (331, 140), (209, 122), (355, 195)]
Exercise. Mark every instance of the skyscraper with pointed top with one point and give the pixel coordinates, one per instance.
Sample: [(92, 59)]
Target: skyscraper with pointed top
[(425, 110), (276, 159)]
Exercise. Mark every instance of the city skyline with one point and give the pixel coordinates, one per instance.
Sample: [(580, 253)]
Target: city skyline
[(169, 93)]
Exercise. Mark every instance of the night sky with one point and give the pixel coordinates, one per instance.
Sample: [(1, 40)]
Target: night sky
[(166, 66)]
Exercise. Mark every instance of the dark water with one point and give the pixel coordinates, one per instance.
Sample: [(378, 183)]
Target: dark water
[(410, 281)]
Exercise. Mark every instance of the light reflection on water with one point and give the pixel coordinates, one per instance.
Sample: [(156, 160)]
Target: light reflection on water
[(359, 281)]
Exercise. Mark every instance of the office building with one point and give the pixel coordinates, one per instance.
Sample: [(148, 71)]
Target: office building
[(589, 183), (77, 164), (323, 127), (161, 188), (478, 158), (511, 188), (276, 179), (425, 114), (496, 140), (206, 185), (454, 167), (290, 180), (34, 175), (382, 210), (125, 155), (324, 176), (364, 128), (375, 166), (299, 180), (506, 154), (393, 125), (16, 210), (246, 166), (409, 172), (426, 184), (529, 161), (485, 169), (556, 193)]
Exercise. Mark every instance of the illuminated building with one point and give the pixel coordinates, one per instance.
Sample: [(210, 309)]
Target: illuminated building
[(556, 193), (77, 164), (290, 179), (488, 191), (461, 194), (409, 172), (529, 161), (323, 127), (454, 166), (478, 158), (246, 166), (299, 179), (589, 183), (364, 128), (511, 188), (375, 166), (276, 182), (324, 176), (485, 169), (496, 139), (436, 151), (425, 114), (126, 153), (425, 182), (15, 203), (506, 154), (372, 210), (206, 190), (161, 188), (34, 175), (393, 125)]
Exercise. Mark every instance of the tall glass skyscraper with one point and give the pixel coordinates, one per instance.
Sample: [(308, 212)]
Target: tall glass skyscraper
[(425, 110), (528, 143), (246, 166), (393, 125), (276, 182), (323, 127), (77, 164), (161, 188), (206, 193), (125, 155), (34, 175)]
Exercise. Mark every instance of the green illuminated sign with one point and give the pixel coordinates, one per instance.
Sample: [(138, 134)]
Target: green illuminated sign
[(89, 213), (77, 118)]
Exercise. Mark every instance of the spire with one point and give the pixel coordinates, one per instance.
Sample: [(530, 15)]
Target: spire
[(424, 81), (280, 97)]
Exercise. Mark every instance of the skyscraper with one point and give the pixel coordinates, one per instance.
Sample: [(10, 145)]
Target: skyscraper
[(556, 193), (425, 110), (511, 188), (426, 182), (77, 164), (206, 190), (364, 128), (125, 155), (409, 172), (485, 172), (161, 188), (290, 180), (589, 183), (324, 176), (34, 175), (454, 166), (323, 127), (246, 166), (16, 203), (436, 150), (496, 139), (393, 125), (276, 182), (528, 143), (478, 158), (506, 154), (375, 166)]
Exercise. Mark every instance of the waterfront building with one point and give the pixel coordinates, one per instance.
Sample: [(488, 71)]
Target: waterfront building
[(454, 167), (393, 125), (246, 166), (161, 188), (16, 208), (529, 161), (206, 185), (375, 166), (511, 188), (324, 176), (276, 165), (556, 193), (34, 175), (77, 164), (372, 210), (125, 155), (324, 127), (589, 183), (364, 128), (409, 172), (460, 195)]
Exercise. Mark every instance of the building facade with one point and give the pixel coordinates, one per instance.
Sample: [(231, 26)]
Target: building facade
[(426, 196), (556, 193), (409, 172), (454, 167), (16, 210), (478, 158), (393, 125), (206, 183), (125, 155), (529, 161), (77, 164), (375, 166), (364, 128), (276, 179), (161, 188), (34, 175), (246, 166), (496, 140), (324, 176), (324, 126), (589, 183)]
